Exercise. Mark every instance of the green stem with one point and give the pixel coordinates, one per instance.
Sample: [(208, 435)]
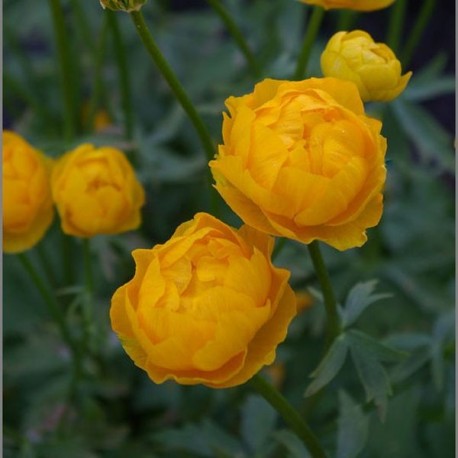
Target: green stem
[(417, 31), (334, 327), (237, 35), (98, 81), (50, 300), (396, 25), (66, 249), (123, 74), (66, 73), (173, 82), (289, 414), (46, 265), (309, 38), (88, 318), (347, 19)]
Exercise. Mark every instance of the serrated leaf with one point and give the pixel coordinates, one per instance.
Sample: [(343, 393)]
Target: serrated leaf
[(434, 143), (353, 426), (292, 443), (358, 299), (258, 422), (405, 369), (375, 348), (329, 366), (373, 377)]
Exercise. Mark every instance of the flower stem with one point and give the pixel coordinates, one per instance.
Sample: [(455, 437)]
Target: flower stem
[(427, 9), (396, 24), (50, 300), (173, 82), (237, 35), (123, 74), (334, 327), (66, 73), (88, 320), (289, 414), (309, 38)]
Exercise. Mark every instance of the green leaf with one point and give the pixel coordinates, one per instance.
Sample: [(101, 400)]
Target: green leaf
[(358, 299), (292, 443), (414, 362), (434, 143), (375, 348), (258, 422), (418, 91), (373, 377), (329, 366), (353, 427)]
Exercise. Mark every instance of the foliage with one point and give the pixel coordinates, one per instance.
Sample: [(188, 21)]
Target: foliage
[(385, 387)]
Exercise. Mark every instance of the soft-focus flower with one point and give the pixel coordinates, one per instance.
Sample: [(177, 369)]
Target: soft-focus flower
[(304, 300), (96, 192), (27, 204), (207, 307), (373, 67), (302, 160), (358, 5), (123, 5)]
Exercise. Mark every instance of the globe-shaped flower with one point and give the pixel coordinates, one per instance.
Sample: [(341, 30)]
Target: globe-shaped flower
[(96, 192), (207, 307), (373, 67), (357, 5), (27, 205), (302, 160)]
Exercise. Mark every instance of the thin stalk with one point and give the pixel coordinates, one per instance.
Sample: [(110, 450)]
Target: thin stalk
[(66, 249), (88, 317), (44, 261), (313, 27), (123, 74), (347, 19), (50, 300), (289, 414), (177, 88), (66, 73), (417, 31), (98, 81), (237, 35), (334, 326), (85, 33), (396, 25)]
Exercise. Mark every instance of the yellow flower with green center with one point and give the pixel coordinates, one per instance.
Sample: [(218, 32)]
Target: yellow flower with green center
[(206, 307), (373, 67)]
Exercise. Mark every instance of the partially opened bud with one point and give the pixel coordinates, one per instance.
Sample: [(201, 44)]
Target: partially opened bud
[(122, 5), (373, 67)]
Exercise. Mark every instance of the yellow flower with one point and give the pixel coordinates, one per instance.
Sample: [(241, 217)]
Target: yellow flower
[(358, 5), (207, 307), (122, 5), (302, 160), (96, 192), (373, 67), (27, 205)]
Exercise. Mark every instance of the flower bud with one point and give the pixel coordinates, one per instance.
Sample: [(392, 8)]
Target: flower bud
[(373, 67), (122, 5), (27, 204), (357, 5)]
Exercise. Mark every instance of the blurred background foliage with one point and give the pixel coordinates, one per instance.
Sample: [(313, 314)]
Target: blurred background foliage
[(115, 410)]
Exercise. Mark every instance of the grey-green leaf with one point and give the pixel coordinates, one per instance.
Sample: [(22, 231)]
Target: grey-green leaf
[(329, 366), (358, 299), (353, 426)]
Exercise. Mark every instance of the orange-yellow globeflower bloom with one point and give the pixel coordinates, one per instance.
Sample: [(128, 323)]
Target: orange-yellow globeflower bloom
[(206, 307), (373, 67), (357, 5), (27, 204), (302, 160), (96, 192)]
